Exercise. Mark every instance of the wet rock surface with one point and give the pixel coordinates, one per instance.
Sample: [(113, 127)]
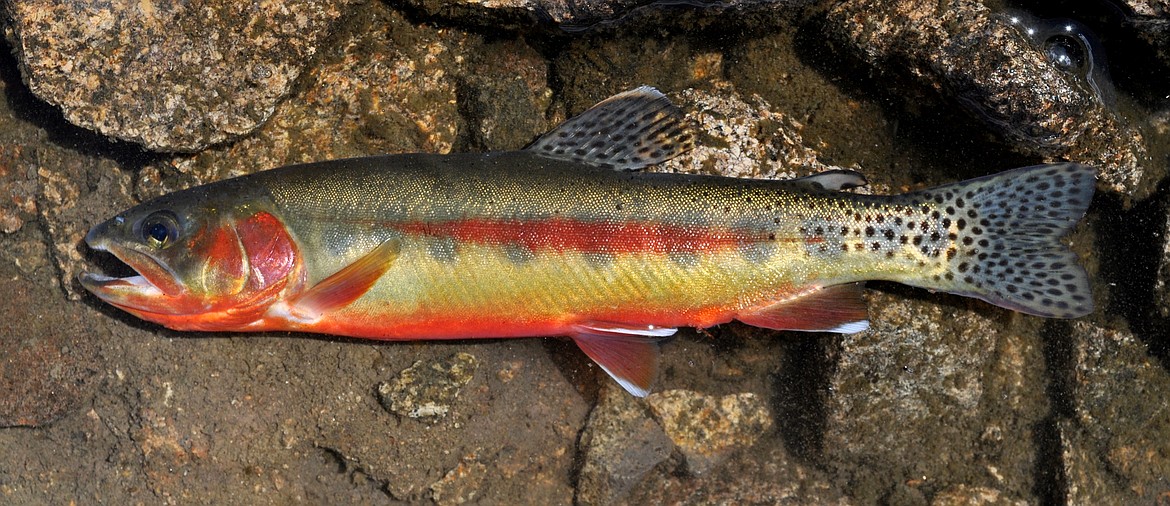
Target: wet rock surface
[(955, 379), (974, 56), (620, 444), (707, 429), (173, 76), (1162, 280), (577, 15), (1152, 19), (348, 108), (742, 138), (1116, 445), (44, 371), (945, 400)]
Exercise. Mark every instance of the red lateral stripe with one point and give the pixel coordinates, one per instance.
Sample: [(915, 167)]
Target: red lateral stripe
[(563, 235)]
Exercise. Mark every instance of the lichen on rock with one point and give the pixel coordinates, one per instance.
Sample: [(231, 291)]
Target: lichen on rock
[(427, 389)]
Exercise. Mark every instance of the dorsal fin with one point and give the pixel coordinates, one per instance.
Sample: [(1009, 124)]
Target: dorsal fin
[(834, 180), (628, 131)]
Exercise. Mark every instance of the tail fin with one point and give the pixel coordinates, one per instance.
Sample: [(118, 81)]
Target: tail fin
[(1008, 250)]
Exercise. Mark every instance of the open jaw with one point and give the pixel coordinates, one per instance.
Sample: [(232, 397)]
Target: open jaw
[(152, 290)]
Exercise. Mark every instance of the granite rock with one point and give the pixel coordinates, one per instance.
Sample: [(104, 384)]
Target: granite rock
[(708, 429), (938, 396), (462, 484), (620, 444), (577, 15), (1151, 18), (742, 137), (1162, 279), (19, 185), (388, 87), (979, 61), (170, 75), (1116, 447)]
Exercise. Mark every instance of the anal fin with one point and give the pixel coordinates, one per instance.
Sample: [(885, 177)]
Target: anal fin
[(346, 285), (628, 353), (836, 308)]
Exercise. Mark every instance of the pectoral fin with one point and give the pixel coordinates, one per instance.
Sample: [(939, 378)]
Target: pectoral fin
[(347, 284), (837, 308), (629, 354)]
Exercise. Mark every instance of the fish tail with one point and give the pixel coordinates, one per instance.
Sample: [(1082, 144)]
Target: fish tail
[(1006, 232)]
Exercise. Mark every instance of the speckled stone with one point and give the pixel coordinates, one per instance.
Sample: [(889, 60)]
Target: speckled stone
[(708, 429), (168, 74), (1162, 281), (462, 484), (742, 137), (390, 87), (960, 49), (505, 96), (1117, 446), (70, 202), (619, 445), (41, 379), (1151, 18), (15, 182), (963, 495), (427, 389), (935, 396), (573, 14)]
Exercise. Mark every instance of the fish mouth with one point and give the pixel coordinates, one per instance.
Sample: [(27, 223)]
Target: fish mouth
[(152, 289)]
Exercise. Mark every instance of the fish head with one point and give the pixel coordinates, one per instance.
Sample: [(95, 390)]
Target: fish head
[(200, 264)]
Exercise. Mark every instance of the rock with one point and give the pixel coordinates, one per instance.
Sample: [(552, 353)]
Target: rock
[(708, 429), (620, 444), (347, 108), (938, 395), (43, 371), (48, 182), (171, 445), (980, 61), (71, 203), (523, 430), (427, 389), (580, 14), (962, 495), (1117, 446), (741, 139), (505, 96), (20, 187), (1162, 280), (1151, 18), (526, 12), (170, 75), (462, 484)]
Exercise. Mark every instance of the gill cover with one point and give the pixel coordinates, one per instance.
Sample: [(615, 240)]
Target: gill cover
[(195, 272)]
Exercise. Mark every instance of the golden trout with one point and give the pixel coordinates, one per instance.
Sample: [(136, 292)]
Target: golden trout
[(565, 238)]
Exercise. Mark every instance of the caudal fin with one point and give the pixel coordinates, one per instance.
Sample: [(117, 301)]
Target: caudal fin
[(1008, 249)]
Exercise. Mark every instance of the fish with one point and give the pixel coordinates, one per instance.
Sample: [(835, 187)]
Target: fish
[(569, 237)]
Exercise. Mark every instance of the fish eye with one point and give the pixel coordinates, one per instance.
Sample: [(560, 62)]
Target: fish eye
[(160, 229)]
